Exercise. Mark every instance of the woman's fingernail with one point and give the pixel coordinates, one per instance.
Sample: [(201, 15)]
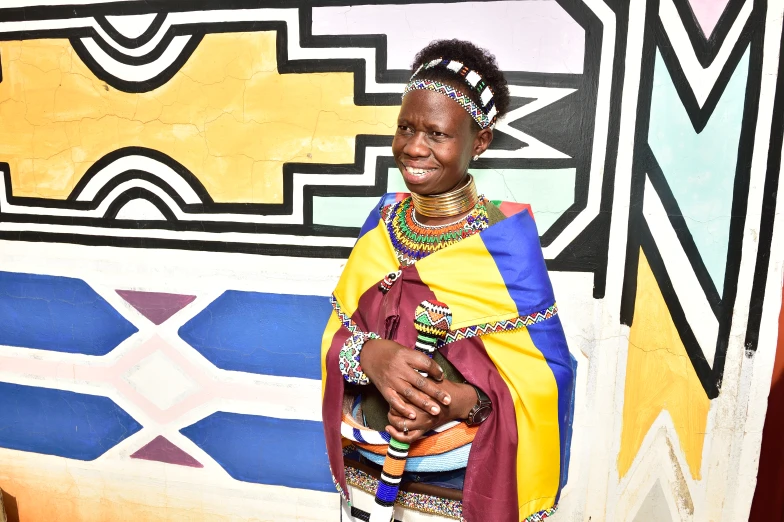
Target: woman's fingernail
[(411, 416), (434, 410), (447, 399)]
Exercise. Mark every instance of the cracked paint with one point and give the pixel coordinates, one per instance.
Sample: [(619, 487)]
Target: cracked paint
[(659, 376), (232, 123)]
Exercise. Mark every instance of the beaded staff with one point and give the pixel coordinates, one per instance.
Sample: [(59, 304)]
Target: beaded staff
[(432, 320)]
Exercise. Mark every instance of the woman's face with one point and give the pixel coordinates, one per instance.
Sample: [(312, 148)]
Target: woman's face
[(435, 141)]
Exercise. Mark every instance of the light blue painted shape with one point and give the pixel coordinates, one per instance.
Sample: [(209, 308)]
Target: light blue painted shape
[(342, 211), (700, 168), (549, 191), (62, 423), (266, 450), (272, 334), (59, 314)]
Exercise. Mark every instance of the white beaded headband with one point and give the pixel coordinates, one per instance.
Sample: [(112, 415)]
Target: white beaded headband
[(485, 115)]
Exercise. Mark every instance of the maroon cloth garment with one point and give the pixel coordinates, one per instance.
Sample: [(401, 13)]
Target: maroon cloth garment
[(490, 490)]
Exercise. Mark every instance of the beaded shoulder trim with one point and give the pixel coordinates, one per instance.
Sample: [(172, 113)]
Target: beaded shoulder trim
[(468, 331)]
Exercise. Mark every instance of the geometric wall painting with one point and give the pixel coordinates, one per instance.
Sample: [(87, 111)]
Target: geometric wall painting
[(160, 449), (654, 507), (60, 422), (707, 13), (271, 334), (60, 314), (265, 450), (156, 306), (700, 167)]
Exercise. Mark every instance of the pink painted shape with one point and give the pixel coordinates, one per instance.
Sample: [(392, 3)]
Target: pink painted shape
[(707, 13), (536, 36), (162, 450), (111, 372), (510, 208), (156, 306)]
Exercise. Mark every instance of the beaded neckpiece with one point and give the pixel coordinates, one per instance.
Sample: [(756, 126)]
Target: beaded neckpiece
[(413, 241)]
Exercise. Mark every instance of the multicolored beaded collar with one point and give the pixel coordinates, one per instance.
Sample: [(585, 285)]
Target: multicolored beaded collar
[(413, 241), (485, 116)]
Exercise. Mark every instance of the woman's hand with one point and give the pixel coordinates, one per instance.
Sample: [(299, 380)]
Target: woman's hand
[(392, 368), (464, 398)]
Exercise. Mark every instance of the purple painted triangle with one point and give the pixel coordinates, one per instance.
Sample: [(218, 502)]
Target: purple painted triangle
[(156, 306), (707, 13), (161, 450)]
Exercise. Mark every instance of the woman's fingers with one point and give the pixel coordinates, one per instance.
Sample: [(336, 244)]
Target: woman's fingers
[(409, 392), (403, 406), (422, 362), (430, 388), (402, 423), (408, 438)]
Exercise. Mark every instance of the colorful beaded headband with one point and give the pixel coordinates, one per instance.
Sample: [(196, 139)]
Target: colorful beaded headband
[(450, 92), (472, 78)]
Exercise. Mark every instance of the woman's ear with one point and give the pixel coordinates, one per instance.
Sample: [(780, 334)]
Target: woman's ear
[(482, 141)]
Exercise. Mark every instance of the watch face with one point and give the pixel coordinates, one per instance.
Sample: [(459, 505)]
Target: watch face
[(480, 415)]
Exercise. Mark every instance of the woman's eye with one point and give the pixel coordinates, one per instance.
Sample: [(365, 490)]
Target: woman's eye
[(437, 134), (403, 128)]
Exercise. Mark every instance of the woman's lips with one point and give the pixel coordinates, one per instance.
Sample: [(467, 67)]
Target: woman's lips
[(417, 175)]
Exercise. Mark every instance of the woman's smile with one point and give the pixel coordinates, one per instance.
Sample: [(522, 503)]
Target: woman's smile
[(417, 175)]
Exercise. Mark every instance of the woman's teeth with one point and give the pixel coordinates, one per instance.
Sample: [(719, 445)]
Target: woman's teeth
[(418, 172)]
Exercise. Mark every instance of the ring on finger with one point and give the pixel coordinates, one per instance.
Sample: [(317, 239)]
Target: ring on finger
[(405, 430)]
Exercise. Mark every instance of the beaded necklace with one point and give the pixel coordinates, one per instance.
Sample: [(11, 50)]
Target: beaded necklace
[(413, 241)]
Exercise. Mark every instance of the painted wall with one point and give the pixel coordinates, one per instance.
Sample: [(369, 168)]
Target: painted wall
[(182, 183)]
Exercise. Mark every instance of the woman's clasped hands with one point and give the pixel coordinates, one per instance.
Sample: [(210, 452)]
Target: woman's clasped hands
[(417, 403)]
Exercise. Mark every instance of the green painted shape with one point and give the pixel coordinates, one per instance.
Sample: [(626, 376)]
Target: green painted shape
[(342, 211), (700, 167), (549, 192)]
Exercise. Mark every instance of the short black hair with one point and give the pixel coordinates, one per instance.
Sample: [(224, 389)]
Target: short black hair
[(473, 57)]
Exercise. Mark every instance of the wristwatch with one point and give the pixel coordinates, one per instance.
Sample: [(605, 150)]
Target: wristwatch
[(481, 411)]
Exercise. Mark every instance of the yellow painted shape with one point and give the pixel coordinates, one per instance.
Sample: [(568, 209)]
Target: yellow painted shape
[(466, 277), (534, 392), (227, 115), (659, 376), (372, 258)]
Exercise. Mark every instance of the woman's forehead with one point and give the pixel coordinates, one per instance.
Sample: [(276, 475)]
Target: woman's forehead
[(427, 107)]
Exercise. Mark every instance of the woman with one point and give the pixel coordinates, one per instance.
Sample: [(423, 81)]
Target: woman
[(447, 382)]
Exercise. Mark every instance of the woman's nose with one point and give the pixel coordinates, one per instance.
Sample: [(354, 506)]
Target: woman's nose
[(416, 146)]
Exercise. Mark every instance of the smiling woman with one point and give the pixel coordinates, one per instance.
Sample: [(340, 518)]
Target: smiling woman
[(447, 379)]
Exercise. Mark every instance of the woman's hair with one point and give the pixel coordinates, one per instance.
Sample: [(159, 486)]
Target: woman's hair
[(473, 57)]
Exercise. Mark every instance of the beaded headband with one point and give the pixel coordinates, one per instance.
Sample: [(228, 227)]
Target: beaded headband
[(450, 92), (471, 77)]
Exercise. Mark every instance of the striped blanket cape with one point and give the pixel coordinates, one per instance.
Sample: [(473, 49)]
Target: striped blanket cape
[(506, 338)]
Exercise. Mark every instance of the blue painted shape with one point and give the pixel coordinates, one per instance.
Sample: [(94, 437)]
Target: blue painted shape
[(60, 314), (265, 450), (700, 168), (272, 334), (62, 423)]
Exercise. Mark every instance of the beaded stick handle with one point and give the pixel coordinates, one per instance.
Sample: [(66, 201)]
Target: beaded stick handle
[(432, 320)]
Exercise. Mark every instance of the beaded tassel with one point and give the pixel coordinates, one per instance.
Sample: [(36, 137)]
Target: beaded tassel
[(432, 320)]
